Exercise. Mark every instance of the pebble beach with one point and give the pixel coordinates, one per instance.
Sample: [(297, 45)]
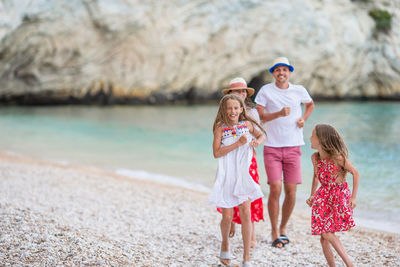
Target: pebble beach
[(61, 215)]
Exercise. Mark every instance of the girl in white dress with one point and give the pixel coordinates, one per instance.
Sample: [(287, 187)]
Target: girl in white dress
[(233, 146), (238, 86)]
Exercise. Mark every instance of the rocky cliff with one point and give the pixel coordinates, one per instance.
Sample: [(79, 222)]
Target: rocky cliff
[(156, 51)]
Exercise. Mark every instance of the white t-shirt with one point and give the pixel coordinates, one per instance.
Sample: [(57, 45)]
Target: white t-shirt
[(283, 131)]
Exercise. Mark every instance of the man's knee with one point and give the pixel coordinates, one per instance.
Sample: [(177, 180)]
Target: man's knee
[(290, 191), (275, 189), (291, 195)]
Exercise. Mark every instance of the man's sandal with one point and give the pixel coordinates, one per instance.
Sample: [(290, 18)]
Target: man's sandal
[(277, 242), (285, 239), (225, 255)]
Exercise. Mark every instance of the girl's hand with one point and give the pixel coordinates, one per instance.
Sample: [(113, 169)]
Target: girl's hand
[(310, 200), (352, 203), (242, 140), (254, 143)]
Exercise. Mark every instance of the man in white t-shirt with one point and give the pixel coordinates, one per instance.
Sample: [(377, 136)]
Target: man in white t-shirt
[(279, 106)]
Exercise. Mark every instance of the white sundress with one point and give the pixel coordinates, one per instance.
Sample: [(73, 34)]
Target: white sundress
[(233, 184)]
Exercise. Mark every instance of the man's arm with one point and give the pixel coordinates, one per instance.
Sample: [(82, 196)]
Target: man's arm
[(307, 112), (272, 116), (309, 109)]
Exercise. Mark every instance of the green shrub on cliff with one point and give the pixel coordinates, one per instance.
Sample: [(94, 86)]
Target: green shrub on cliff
[(383, 19)]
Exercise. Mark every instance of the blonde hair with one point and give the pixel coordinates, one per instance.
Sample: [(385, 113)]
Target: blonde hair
[(222, 116), (331, 142)]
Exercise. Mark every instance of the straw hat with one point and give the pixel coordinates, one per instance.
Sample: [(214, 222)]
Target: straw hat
[(281, 61), (238, 84)]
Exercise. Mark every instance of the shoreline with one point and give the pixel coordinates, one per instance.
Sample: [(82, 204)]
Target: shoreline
[(301, 207), (54, 213)]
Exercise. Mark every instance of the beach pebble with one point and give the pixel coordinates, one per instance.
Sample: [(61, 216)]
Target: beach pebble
[(53, 215)]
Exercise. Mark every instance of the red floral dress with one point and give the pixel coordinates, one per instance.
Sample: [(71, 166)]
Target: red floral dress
[(256, 207), (331, 211)]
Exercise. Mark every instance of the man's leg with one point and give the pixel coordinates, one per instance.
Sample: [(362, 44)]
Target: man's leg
[(292, 177), (273, 167), (288, 206), (275, 189)]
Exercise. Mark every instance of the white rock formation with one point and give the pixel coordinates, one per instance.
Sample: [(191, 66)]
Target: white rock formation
[(131, 48)]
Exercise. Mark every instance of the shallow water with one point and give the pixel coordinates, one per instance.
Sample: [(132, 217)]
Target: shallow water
[(174, 144)]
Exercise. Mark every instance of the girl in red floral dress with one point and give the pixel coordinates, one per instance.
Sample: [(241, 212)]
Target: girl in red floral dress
[(333, 203)]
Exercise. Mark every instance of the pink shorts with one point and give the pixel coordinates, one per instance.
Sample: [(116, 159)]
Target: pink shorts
[(286, 160)]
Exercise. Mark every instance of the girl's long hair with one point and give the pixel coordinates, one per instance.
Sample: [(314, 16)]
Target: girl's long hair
[(331, 142), (222, 116)]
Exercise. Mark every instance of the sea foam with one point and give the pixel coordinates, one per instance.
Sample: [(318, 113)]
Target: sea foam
[(164, 179)]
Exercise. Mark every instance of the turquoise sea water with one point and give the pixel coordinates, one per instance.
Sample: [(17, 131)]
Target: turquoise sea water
[(173, 144)]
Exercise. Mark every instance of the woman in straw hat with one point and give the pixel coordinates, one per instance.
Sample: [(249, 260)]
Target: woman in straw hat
[(239, 86)]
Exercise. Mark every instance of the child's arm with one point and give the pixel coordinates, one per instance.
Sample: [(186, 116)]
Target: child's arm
[(356, 180), (259, 137), (219, 151), (314, 185)]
